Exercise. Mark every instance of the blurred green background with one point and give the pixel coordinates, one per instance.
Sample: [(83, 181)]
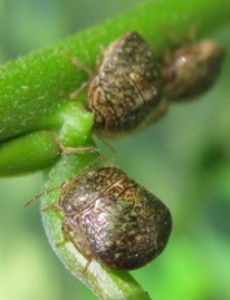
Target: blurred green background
[(185, 160)]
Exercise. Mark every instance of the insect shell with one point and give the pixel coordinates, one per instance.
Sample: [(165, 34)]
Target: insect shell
[(111, 218), (127, 87), (191, 70)]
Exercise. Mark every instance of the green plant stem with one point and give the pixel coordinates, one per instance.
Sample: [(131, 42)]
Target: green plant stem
[(16, 157), (40, 149), (34, 88)]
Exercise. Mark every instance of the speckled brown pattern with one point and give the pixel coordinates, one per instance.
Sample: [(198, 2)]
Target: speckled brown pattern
[(127, 87), (111, 218)]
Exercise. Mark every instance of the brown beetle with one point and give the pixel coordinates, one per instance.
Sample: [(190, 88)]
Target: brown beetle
[(191, 70), (127, 88), (111, 218)]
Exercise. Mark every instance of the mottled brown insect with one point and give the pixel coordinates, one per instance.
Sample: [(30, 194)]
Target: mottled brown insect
[(127, 87), (111, 218), (191, 70)]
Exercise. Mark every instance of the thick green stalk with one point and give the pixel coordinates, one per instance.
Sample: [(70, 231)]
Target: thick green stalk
[(38, 150), (16, 157), (36, 86)]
